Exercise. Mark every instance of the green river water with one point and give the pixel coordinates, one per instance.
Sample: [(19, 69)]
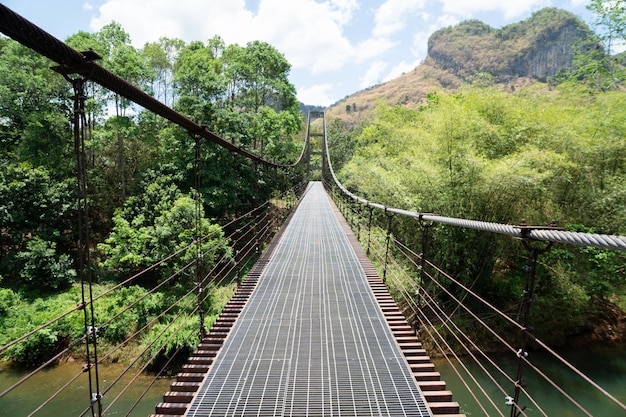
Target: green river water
[(605, 365), (75, 399)]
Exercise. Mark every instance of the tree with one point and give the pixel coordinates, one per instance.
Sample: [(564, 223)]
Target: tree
[(485, 155), (156, 224), (598, 65), (609, 22), (43, 268), (161, 57), (32, 204), (341, 143), (198, 81), (34, 111)]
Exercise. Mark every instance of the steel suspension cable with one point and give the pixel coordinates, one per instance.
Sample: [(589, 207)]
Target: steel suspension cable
[(103, 358), (158, 374), (418, 313), (182, 323), (422, 318), (406, 295), (534, 339), (546, 234), (448, 322), (511, 348), (74, 62)]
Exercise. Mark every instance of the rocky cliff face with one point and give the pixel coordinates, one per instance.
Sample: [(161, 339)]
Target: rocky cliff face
[(538, 47)]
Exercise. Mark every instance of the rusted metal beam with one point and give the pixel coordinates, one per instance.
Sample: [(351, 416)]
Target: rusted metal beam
[(72, 61)]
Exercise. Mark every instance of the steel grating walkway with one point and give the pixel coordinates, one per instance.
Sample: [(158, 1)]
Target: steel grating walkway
[(311, 341)]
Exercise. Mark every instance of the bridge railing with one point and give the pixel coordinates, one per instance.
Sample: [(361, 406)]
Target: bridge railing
[(122, 323), (486, 348), (130, 334)]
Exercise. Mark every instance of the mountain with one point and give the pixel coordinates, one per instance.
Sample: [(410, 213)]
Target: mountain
[(538, 47), (514, 56)]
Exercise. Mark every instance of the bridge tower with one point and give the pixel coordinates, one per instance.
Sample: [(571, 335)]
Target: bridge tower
[(316, 144)]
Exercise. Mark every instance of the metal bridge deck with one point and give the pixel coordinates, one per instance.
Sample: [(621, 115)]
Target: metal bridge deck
[(311, 341)]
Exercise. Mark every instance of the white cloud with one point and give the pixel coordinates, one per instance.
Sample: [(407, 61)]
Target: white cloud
[(510, 9), (373, 74), (576, 3), (318, 95), (391, 17), (372, 48), (308, 33), (87, 6), (185, 19), (346, 8)]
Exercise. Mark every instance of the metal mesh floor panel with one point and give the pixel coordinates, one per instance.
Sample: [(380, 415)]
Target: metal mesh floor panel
[(311, 340)]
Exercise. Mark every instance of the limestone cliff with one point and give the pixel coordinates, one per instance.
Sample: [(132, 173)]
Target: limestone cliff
[(538, 47)]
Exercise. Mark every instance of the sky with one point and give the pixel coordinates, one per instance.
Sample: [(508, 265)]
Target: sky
[(335, 47)]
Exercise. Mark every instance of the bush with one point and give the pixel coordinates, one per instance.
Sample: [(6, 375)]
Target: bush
[(43, 268), (7, 300), (36, 349)]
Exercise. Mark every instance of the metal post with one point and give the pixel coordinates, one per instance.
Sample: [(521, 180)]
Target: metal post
[(308, 151), (358, 223), (525, 310), (369, 230), (425, 240), (324, 156), (236, 180), (389, 218)]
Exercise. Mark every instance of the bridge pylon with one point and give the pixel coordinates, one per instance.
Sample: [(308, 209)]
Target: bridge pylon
[(316, 144)]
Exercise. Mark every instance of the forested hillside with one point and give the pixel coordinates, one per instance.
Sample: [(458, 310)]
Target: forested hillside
[(140, 169), (540, 153)]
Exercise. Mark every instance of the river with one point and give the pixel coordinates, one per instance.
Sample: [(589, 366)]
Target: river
[(606, 365), (74, 400)]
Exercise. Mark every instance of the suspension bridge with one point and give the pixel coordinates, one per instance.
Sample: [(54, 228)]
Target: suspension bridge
[(311, 326)]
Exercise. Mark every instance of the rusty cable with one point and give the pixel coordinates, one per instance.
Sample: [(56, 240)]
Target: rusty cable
[(72, 61)]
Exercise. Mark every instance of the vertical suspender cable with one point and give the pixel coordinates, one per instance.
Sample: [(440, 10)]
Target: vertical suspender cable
[(84, 256), (198, 239)]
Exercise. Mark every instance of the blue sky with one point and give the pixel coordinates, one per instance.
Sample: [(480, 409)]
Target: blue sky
[(335, 47)]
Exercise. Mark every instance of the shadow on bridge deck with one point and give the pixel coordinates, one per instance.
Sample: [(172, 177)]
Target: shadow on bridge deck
[(311, 331)]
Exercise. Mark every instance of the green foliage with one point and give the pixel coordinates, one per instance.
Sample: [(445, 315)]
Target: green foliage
[(33, 113), (23, 314), (598, 67), (145, 308), (20, 314), (7, 300), (43, 267), (485, 155), (341, 143), (32, 203), (36, 349), (168, 338), (142, 201), (158, 223)]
